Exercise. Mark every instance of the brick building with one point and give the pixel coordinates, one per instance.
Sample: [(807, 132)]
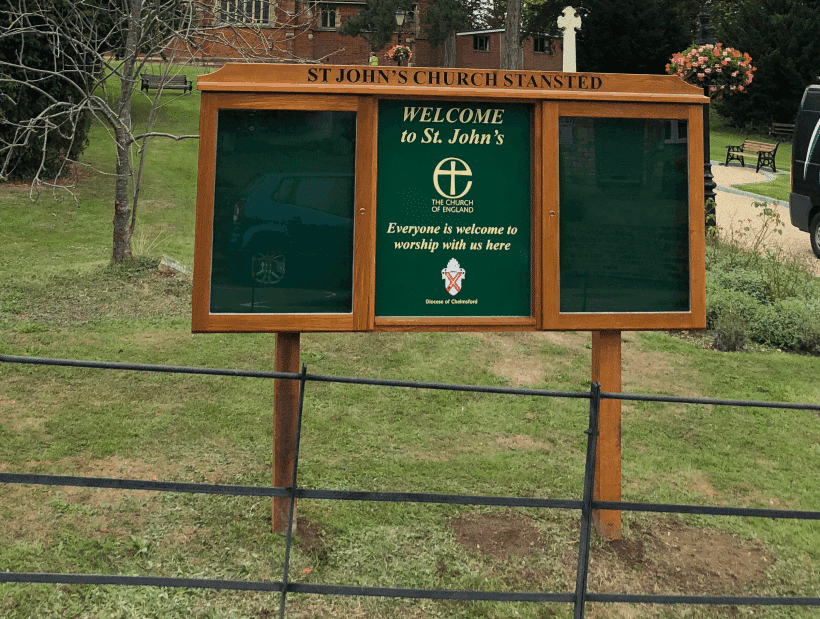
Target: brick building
[(298, 31), (481, 49)]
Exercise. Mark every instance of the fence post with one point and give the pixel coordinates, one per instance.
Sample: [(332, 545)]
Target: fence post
[(285, 424), (586, 502), (292, 500), (606, 370)]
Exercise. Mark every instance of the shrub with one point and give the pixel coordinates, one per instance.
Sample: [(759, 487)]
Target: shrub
[(782, 36), (29, 98), (721, 301), (790, 324), (746, 280), (731, 331), (765, 301)]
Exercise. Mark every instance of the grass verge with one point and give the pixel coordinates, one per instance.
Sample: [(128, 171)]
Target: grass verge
[(59, 298)]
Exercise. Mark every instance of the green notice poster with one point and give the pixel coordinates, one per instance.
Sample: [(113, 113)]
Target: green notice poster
[(453, 222)]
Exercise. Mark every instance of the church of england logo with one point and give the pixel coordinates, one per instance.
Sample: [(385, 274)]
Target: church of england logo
[(453, 168), (453, 276)]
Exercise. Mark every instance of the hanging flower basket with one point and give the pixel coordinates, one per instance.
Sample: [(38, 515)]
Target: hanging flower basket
[(723, 70), (398, 53)]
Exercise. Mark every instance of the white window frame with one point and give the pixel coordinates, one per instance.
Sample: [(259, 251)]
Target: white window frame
[(332, 14), (244, 11)]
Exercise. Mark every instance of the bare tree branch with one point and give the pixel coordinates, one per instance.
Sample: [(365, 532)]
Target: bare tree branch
[(97, 50)]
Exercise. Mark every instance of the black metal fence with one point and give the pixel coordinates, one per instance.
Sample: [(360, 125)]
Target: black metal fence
[(578, 598)]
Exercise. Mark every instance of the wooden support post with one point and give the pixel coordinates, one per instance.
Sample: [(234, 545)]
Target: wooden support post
[(606, 370), (285, 420)]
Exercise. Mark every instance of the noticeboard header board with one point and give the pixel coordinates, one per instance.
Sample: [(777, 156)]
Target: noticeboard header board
[(348, 198)]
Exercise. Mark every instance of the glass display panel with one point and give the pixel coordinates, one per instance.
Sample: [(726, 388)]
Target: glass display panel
[(453, 220), (283, 212), (624, 215)]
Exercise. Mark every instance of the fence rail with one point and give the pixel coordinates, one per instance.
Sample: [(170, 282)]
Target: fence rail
[(585, 505)]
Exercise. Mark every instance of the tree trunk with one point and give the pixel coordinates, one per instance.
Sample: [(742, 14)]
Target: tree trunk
[(122, 203), (122, 134), (512, 53), (450, 50)]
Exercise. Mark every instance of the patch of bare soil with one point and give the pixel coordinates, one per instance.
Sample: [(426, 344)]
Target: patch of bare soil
[(311, 539), (653, 371), (523, 442), (663, 556), (522, 367), (500, 536), (31, 509), (672, 558)]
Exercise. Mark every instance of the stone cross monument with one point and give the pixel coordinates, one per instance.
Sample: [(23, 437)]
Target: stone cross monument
[(569, 22)]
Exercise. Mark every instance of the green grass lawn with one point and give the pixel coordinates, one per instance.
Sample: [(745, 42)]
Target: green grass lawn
[(778, 189), (60, 298)]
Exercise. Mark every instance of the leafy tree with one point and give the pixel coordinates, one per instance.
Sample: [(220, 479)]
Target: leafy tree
[(781, 36), (630, 37), (622, 36), (442, 20), (496, 14), (375, 23)]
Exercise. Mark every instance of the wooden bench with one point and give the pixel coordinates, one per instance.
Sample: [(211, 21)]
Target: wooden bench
[(781, 131), (168, 82), (752, 149)]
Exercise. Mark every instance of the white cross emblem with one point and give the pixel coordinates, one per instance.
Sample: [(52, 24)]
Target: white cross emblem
[(569, 22)]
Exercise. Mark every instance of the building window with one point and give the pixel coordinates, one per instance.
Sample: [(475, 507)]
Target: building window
[(244, 11), (542, 45), (259, 10), (481, 43), (329, 17), (227, 10)]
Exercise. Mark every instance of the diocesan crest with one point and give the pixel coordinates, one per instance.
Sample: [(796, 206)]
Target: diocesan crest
[(453, 277)]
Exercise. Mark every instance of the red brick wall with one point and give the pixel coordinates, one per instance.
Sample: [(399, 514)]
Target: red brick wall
[(305, 40), (543, 62), (466, 56)]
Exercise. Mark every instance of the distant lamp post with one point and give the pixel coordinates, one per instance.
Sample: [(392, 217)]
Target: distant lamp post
[(400, 16), (705, 37)]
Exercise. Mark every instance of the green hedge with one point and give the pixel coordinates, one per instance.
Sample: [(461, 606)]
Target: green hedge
[(742, 305)]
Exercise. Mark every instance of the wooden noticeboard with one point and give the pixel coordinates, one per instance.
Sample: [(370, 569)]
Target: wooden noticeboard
[(339, 198)]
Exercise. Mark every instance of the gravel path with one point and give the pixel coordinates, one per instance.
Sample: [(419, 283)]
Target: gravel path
[(735, 209)]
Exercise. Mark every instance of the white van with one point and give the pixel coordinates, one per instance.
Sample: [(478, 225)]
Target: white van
[(804, 199)]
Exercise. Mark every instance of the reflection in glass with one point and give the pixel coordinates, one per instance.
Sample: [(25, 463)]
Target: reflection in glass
[(624, 215), (283, 212)]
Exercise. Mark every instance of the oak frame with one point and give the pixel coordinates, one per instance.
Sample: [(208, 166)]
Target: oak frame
[(202, 319), (286, 87), (695, 318)]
